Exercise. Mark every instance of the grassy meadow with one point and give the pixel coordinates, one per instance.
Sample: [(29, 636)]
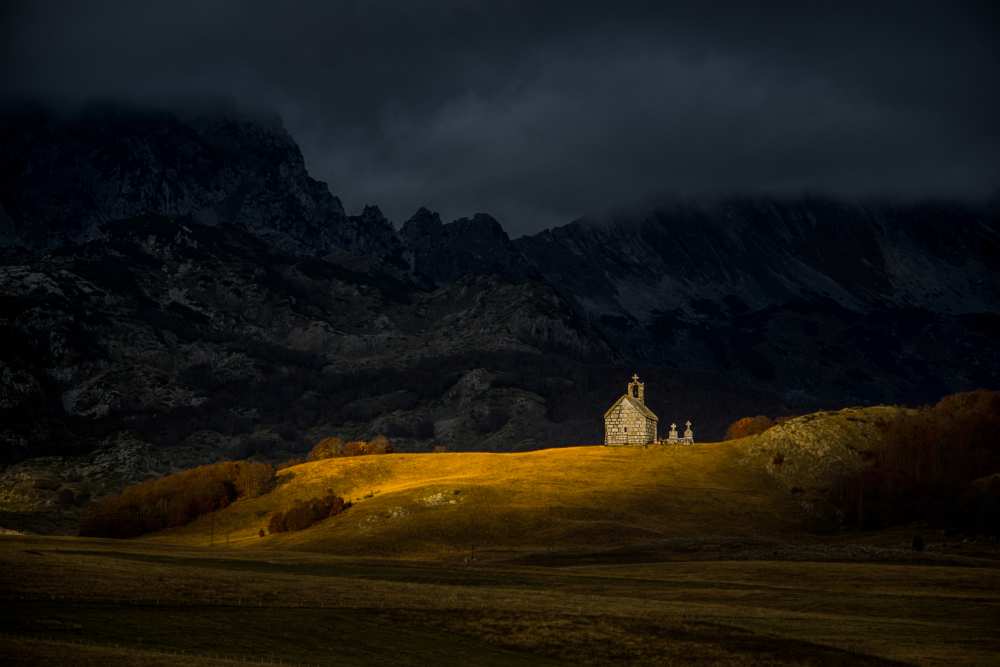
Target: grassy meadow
[(429, 505), (86, 601), (585, 555)]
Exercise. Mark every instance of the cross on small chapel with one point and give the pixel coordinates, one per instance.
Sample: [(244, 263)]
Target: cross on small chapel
[(635, 377)]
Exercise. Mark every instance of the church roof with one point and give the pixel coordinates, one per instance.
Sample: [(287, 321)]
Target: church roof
[(641, 407)]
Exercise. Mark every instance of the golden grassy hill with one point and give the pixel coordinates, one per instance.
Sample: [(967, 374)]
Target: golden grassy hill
[(575, 496), (624, 521), (771, 486)]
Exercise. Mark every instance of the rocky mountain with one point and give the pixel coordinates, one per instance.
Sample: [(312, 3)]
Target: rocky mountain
[(818, 299), (167, 343), (175, 288), (161, 315), (63, 174)]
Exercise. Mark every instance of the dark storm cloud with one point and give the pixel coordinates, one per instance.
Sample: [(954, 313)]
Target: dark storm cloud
[(538, 113)]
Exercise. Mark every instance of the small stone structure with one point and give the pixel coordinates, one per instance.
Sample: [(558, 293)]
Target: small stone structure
[(628, 421), (688, 434), (674, 439), (672, 435)]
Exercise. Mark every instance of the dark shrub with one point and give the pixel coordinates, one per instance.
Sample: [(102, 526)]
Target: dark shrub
[(918, 543), (298, 516), (305, 513), (277, 523)]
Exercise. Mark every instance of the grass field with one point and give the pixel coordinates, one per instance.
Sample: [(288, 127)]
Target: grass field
[(83, 601), (433, 504), (585, 555)]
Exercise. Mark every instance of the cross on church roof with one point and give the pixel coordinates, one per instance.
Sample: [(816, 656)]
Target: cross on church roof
[(688, 423), (635, 377)]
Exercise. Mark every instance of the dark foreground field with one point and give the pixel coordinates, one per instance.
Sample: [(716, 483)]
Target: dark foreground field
[(90, 602)]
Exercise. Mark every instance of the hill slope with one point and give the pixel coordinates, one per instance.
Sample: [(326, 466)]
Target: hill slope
[(567, 497)]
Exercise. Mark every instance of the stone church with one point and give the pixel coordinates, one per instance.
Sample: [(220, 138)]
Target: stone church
[(628, 421)]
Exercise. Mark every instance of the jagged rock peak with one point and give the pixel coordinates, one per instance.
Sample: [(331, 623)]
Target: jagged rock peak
[(372, 212), (424, 213), (373, 217), (468, 246), (63, 174), (481, 224), (423, 222)]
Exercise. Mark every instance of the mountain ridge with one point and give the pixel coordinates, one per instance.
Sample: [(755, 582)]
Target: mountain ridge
[(193, 290)]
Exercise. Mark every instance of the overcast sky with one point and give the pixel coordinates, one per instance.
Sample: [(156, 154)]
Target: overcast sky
[(539, 113)]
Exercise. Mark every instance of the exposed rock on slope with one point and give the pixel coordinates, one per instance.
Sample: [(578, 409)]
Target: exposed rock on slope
[(46, 494), (827, 302), (170, 327), (62, 175), (748, 254), (808, 455), (477, 246)]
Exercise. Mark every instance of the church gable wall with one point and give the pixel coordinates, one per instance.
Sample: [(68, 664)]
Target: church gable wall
[(626, 425)]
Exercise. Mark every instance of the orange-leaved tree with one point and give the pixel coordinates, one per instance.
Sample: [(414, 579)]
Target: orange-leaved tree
[(174, 500), (747, 426)]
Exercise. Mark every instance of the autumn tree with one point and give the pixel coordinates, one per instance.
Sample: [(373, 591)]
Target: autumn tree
[(747, 426), (380, 445), (933, 465), (304, 513), (327, 448), (175, 500)]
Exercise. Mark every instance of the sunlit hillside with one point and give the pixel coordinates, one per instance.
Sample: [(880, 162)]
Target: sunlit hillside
[(652, 555), (788, 482), (588, 496)]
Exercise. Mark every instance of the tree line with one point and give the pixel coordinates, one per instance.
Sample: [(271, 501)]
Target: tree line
[(180, 498), (938, 464), (175, 500)]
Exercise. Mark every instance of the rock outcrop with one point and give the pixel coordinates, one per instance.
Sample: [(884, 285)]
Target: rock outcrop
[(443, 253)]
